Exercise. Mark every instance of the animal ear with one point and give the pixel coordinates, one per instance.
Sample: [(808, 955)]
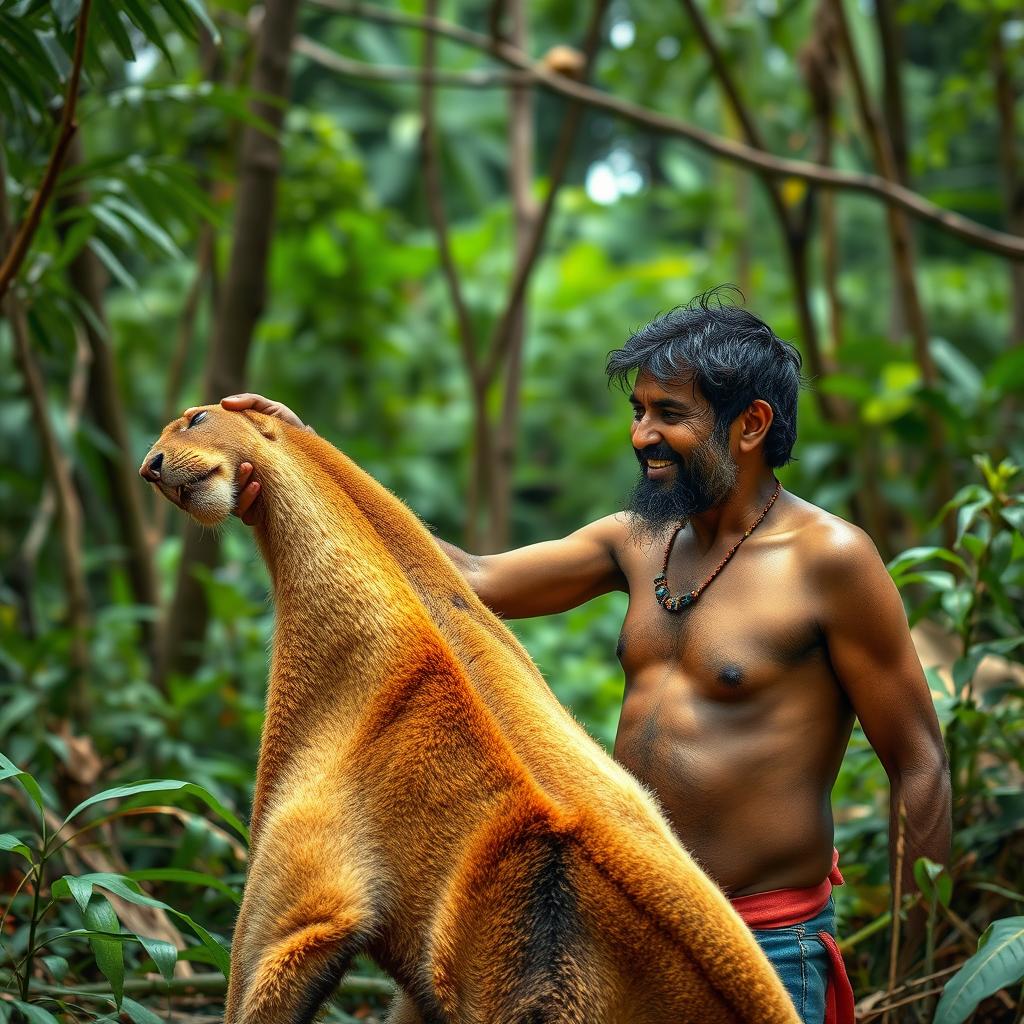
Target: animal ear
[(266, 425)]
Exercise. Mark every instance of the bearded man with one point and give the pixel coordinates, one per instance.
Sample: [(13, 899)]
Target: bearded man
[(758, 627)]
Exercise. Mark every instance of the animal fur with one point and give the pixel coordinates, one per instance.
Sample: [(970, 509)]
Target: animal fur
[(421, 795)]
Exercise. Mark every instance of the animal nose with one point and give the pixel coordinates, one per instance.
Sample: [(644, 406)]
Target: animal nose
[(152, 471)]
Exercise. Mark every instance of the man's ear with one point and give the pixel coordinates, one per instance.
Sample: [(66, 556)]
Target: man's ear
[(753, 424), (266, 425)]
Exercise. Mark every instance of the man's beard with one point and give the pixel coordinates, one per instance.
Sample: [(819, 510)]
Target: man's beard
[(702, 481)]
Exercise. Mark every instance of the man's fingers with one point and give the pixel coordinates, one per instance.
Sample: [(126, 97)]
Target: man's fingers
[(261, 404), (246, 497), (247, 401)]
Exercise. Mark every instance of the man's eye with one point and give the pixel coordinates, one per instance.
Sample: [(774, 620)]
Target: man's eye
[(638, 414), (198, 418)]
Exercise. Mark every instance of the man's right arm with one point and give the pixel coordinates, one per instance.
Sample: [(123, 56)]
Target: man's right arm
[(549, 577), (540, 579)]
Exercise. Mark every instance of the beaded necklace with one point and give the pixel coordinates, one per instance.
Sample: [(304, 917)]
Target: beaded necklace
[(675, 604)]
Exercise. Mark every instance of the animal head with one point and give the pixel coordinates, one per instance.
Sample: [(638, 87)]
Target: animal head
[(194, 464)]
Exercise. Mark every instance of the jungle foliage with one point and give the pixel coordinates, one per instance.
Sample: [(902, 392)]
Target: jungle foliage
[(457, 242)]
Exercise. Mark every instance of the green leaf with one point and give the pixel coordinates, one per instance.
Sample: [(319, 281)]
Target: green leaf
[(128, 890), (188, 877), (12, 844), (35, 1014), (80, 889), (145, 226), (914, 556), (9, 770), (162, 953), (110, 15), (998, 964), (164, 787), (933, 880), (966, 516), (198, 11), (57, 966), (141, 1014), (99, 915), (113, 264)]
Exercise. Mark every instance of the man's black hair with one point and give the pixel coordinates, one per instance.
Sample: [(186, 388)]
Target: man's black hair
[(731, 355)]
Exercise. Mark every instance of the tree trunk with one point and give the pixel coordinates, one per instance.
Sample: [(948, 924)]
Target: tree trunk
[(106, 409), (1013, 184), (58, 465), (242, 302)]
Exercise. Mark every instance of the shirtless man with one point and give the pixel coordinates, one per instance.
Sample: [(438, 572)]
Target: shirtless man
[(739, 702)]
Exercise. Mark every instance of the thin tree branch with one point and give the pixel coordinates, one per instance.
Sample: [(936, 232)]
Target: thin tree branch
[(23, 239), (435, 205), (77, 391), (479, 78), (976, 234)]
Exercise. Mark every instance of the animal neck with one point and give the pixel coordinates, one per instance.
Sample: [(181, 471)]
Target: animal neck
[(341, 600)]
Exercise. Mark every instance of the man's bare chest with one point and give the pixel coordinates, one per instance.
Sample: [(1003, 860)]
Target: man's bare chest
[(754, 624)]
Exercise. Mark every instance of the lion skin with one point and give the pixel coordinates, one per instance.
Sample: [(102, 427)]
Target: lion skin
[(423, 798)]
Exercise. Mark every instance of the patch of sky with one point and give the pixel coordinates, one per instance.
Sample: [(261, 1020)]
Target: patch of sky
[(622, 34), (615, 176)]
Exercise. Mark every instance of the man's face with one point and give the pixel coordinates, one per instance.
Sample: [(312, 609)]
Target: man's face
[(685, 466)]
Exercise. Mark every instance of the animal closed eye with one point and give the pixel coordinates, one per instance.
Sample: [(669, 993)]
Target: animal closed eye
[(198, 418)]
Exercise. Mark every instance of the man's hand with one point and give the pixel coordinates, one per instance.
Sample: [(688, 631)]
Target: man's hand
[(249, 489)]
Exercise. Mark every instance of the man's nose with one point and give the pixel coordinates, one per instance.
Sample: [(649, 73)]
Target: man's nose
[(644, 434), (151, 470)]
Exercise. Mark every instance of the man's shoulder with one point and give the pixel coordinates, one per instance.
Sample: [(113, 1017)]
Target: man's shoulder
[(828, 544)]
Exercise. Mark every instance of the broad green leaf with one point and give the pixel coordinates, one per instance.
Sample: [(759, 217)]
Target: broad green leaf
[(80, 889), (162, 953), (100, 916), (998, 964), (12, 844), (164, 787)]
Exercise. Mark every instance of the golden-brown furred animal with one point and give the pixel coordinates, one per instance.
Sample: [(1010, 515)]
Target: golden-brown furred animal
[(421, 795)]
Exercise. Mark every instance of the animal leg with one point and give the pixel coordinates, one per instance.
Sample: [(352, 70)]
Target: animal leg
[(305, 913), (403, 1011)]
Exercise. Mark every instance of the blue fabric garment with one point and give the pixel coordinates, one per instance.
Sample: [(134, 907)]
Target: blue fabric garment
[(801, 961)]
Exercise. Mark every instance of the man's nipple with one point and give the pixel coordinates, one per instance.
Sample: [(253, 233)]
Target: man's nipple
[(731, 675)]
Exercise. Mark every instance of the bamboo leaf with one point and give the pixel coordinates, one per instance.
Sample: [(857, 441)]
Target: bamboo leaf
[(162, 953), (12, 844), (99, 916), (188, 877), (164, 786), (9, 770)]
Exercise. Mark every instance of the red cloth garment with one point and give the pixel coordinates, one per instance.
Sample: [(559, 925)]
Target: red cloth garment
[(783, 908)]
